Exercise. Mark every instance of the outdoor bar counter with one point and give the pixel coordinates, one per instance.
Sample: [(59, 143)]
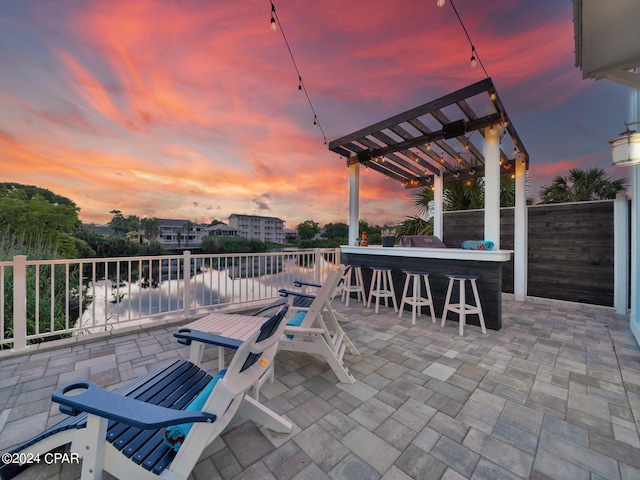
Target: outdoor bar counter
[(439, 262)]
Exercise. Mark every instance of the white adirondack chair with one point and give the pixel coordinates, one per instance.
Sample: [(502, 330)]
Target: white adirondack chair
[(124, 432), (316, 330)]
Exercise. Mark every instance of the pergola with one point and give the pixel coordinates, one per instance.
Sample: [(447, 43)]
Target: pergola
[(607, 45), (437, 142)]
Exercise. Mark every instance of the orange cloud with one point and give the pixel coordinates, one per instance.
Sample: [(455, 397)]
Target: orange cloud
[(191, 109)]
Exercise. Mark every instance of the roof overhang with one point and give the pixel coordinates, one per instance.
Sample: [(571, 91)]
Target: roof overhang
[(435, 138), (607, 39)]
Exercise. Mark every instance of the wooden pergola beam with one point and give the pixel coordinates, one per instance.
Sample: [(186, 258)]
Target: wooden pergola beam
[(466, 92)]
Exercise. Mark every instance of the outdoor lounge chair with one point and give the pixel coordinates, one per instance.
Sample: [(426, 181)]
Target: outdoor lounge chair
[(148, 429), (315, 329)]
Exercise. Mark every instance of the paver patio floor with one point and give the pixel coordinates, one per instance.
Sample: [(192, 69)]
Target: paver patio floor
[(554, 394)]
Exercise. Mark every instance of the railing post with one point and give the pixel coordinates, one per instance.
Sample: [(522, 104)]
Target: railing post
[(19, 303), (186, 291), (318, 270)]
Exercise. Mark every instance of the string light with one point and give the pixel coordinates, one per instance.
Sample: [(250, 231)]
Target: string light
[(274, 25), (274, 22), (475, 58)]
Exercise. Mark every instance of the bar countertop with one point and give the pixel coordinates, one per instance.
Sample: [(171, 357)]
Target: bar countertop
[(441, 253)]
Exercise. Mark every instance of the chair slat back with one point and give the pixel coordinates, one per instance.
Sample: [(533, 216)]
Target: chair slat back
[(323, 296)]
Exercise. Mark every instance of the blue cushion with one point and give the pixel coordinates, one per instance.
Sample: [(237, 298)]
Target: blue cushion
[(296, 321), (477, 245), (175, 434)]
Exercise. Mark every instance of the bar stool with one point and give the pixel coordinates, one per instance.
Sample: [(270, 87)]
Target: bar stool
[(353, 283), (382, 287), (416, 300), (463, 308)]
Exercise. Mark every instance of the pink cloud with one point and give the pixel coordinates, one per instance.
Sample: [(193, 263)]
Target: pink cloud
[(167, 108)]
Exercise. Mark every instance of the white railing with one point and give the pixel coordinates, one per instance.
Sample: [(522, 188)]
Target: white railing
[(48, 299)]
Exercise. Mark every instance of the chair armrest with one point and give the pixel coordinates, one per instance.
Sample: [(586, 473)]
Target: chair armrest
[(187, 335), (100, 402), (300, 283), (285, 293), (273, 306), (304, 331)]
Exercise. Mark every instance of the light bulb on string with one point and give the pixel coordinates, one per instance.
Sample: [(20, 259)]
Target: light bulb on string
[(299, 82), (315, 120), (274, 25), (440, 3), (473, 57)]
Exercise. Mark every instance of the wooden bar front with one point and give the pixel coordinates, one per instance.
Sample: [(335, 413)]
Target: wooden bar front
[(439, 262)]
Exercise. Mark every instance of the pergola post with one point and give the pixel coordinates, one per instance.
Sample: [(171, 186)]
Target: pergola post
[(634, 317), (620, 254), (520, 229), (492, 185), (354, 202), (438, 191)]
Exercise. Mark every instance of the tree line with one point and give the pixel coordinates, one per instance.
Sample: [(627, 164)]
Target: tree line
[(36, 219)]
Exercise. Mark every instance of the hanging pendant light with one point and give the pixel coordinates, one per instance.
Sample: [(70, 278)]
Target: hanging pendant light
[(625, 149)]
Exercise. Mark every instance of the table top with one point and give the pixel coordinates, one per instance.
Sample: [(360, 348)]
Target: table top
[(230, 325), (441, 253)]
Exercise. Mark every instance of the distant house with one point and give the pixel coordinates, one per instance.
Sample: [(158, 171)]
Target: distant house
[(223, 230), (255, 227), (172, 232), (290, 235), (136, 237), (102, 229)]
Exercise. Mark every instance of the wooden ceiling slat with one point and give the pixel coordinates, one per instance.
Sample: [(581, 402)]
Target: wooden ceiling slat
[(440, 116), (417, 123), (391, 170), (404, 134), (401, 161), (411, 163)]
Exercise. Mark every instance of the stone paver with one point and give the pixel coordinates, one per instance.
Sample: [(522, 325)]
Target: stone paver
[(555, 394)]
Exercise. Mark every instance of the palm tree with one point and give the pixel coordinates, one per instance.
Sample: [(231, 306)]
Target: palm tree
[(187, 227), (150, 226), (582, 186), (457, 195), (463, 195)]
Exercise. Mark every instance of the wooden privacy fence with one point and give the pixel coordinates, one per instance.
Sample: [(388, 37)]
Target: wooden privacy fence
[(570, 248)]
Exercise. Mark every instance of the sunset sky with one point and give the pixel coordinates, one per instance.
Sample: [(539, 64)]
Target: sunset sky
[(190, 109)]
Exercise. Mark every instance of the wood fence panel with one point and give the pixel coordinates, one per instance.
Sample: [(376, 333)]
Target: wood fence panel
[(570, 248)]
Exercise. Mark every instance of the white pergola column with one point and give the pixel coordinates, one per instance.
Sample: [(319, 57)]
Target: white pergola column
[(492, 185), (520, 229), (438, 191), (634, 318), (620, 254), (634, 173), (354, 202)]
